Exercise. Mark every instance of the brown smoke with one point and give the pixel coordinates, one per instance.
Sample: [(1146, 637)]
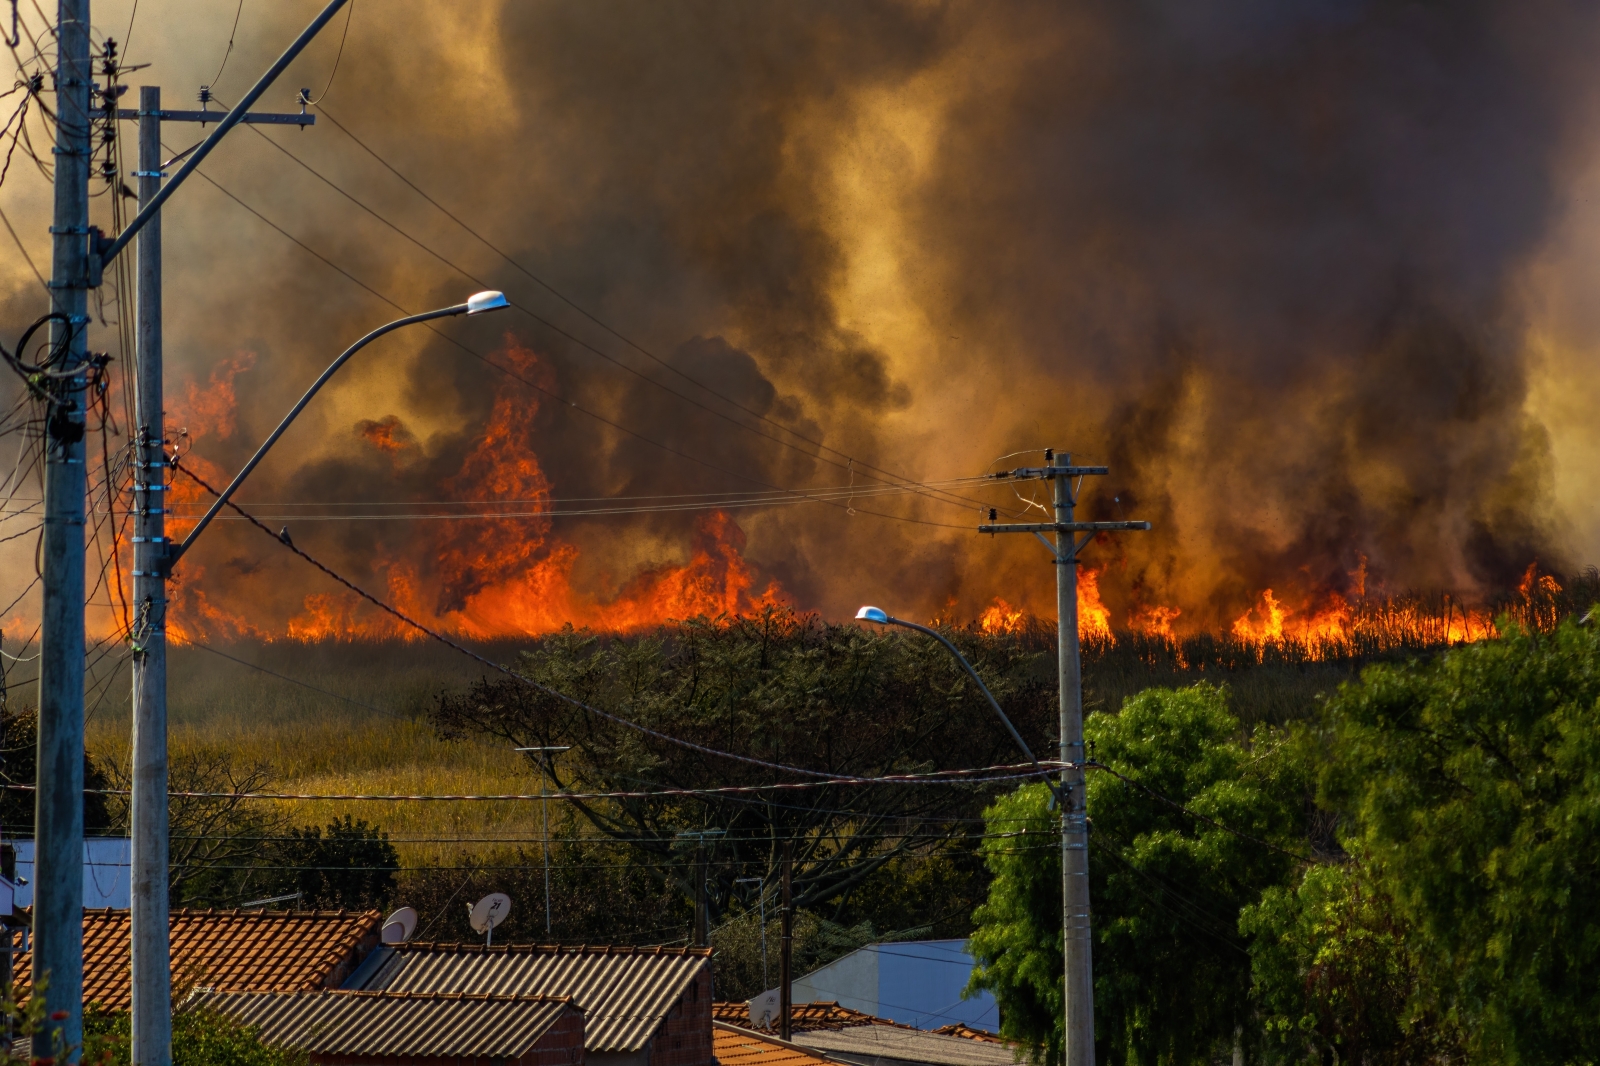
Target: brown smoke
[(1286, 270)]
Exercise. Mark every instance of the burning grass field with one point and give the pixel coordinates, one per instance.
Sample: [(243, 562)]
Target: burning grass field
[(354, 719)]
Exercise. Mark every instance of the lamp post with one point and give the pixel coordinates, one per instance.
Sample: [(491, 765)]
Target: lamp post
[(881, 617), (155, 556), (544, 802)]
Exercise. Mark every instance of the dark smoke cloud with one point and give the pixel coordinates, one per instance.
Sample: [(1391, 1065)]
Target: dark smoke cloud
[(1261, 258)]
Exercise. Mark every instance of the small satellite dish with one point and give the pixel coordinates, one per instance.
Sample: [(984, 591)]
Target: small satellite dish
[(764, 1009), (398, 927), (489, 912)]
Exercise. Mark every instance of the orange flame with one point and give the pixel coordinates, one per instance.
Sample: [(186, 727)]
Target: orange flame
[(1156, 622), (1094, 619), (1000, 617)]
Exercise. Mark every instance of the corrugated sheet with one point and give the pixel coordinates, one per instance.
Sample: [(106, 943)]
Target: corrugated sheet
[(879, 1043), (624, 992), (279, 950), (412, 1025)]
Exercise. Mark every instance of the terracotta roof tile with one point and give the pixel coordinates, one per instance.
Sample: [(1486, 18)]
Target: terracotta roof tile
[(279, 951), (823, 1014), (734, 1046), (967, 1032)]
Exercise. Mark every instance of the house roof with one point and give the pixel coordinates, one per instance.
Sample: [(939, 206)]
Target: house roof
[(269, 950), (399, 1024), (884, 1045), (967, 1032), (733, 1046), (624, 992), (822, 1014)]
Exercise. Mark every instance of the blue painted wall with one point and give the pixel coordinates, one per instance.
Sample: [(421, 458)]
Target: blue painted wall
[(917, 983)]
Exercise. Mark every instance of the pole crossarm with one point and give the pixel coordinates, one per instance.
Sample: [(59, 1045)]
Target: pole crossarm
[(255, 118), (1064, 527), (1023, 473), (226, 123)]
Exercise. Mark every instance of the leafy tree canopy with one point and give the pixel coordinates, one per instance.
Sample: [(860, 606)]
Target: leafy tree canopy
[(1471, 784), (1188, 826), (781, 687)]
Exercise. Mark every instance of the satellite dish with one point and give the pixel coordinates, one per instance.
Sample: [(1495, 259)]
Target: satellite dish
[(398, 927), (489, 912)]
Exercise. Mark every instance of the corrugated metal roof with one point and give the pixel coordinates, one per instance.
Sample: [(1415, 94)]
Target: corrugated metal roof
[(408, 1024), (279, 950), (874, 1044), (624, 992), (742, 1047)]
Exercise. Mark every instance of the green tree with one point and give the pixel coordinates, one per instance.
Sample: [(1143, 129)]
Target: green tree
[(1471, 785), (1189, 826), (199, 1038), (782, 687), (1336, 977), (349, 864)]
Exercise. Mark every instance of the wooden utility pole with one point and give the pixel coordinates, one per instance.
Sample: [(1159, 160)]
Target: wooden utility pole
[(1077, 944)]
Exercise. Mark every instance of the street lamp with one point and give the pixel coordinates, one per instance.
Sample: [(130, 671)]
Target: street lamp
[(544, 802), (150, 943), (883, 618), (476, 304)]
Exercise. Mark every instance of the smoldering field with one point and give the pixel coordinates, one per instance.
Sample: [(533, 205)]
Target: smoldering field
[(1311, 282)]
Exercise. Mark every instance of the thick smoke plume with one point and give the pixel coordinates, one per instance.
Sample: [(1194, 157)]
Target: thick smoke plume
[(1309, 278)]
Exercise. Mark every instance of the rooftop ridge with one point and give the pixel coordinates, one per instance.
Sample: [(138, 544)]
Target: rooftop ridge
[(655, 950), (362, 993)]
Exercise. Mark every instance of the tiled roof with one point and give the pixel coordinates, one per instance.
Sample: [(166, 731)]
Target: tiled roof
[(884, 1045), (400, 1024), (624, 992), (734, 1046), (823, 1014), (284, 951), (967, 1032)]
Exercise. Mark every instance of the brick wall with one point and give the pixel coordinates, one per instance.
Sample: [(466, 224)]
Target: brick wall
[(561, 1046), (684, 1038)]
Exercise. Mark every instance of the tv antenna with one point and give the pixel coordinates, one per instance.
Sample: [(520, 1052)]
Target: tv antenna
[(489, 912)]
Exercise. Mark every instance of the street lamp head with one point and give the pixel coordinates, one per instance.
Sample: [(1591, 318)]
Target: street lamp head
[(873, 614), (480, 302)]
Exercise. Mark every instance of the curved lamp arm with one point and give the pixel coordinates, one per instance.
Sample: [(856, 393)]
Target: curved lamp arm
[(477, 304), (878, 615)]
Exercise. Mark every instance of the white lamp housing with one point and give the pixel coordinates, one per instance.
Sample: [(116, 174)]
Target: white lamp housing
[(480, 302)]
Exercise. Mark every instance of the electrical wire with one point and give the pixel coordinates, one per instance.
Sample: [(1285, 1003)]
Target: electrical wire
[(441, 638), (566, 403), (557, 329), (586, 313)]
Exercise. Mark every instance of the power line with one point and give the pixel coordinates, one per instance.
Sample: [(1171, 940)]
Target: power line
[(539, 388), (557, 329), (585, 312), (441, 638)]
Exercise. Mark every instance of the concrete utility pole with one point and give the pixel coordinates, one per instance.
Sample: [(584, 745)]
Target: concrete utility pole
[(150, 950), (1077, 944), (58, 810), (786, 951), (150, 919)]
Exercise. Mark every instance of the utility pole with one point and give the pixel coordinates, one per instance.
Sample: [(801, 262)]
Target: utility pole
[(58, 803), (761, 903), (786, 951), (544, 802), (702, 935), (1077, 944), (150, 920)]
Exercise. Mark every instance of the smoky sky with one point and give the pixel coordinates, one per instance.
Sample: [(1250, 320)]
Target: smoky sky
[(1262, 259)]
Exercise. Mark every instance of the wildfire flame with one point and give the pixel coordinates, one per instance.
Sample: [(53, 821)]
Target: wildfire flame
[(481, 579), (1094, 619)]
